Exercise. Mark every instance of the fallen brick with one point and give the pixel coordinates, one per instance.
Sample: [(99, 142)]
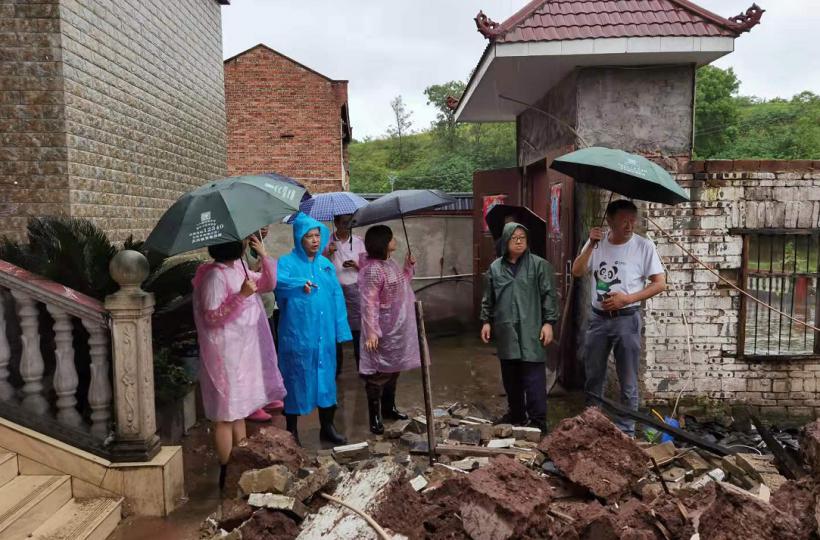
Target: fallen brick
[(273, 479), (527, 433), (593, 453), (661, 452), (235, 512), (278, 502), (269, 446), (470, 463), (736, 474), (419, 483), (487, 432), (351, 452), (694, 462), (504, 431)]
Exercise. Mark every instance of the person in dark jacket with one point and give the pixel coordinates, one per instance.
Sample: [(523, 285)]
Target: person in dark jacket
[(519, 310)]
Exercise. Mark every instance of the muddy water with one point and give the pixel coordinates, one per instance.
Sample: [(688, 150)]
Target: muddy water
[(464, 370)]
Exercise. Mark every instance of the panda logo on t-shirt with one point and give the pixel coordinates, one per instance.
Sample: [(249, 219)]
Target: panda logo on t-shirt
[(605, 277)]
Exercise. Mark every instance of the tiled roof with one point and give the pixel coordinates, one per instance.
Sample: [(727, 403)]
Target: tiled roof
[(554, 20)]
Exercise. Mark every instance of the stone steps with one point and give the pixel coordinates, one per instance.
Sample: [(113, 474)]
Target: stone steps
[(42, 507)]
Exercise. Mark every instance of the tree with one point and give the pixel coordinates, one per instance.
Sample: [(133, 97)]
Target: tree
[(445, 125), (401, 128), (716, 110)]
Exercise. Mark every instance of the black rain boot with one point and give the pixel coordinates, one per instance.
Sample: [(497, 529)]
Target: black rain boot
[(291, 421), (389, 410), (223, 469), (328, 433), (373, 406)]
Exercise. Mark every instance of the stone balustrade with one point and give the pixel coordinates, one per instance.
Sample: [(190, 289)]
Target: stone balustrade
[(107, 405)]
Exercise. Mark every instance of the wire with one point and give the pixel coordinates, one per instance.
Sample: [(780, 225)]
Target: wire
[(729, 283)]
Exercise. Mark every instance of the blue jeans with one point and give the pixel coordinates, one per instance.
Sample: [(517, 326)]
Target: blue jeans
[(623, 335)]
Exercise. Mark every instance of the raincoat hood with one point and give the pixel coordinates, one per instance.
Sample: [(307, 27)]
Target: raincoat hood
[(302, 224), (507, 233)]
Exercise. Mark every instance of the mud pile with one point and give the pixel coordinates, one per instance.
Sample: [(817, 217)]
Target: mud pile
[(585, 480)]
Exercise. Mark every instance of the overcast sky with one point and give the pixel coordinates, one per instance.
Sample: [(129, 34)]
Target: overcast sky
[(391, 47)]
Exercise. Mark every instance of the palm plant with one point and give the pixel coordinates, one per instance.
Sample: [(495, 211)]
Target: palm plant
[(76, 253)]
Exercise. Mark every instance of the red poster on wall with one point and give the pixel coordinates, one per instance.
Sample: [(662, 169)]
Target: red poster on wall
[(555, 209), (489, 202)]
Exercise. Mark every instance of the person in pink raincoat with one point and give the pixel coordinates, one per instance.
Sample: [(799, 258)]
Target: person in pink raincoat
[(389, 340), (238, 371)]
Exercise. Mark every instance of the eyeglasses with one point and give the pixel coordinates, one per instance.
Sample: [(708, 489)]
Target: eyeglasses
[(518, 238)]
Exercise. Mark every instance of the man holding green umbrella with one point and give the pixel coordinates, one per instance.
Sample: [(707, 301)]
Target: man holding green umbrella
[(621, 263)]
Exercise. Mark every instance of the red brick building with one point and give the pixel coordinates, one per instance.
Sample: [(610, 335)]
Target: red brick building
[(286, 118)]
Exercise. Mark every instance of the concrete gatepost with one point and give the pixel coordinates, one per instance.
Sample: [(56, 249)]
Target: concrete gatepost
[(130, 308)]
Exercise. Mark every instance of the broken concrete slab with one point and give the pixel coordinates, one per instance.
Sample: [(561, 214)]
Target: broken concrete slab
[(810, 447), (367, 490), (487, 432), (381, 449), (351, 452), (593, 453), (465, 435), (269, 446), (283, 503), (530, 434), (755, 464), (737, 514), (305, 488), (736, 474), (273, 479), (501, 443), (470, 463), (396, 429), (410, 439)]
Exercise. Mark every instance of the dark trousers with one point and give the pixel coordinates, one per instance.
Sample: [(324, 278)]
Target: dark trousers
[(378, 384), (340, 352), (526, 387), (273, 321)]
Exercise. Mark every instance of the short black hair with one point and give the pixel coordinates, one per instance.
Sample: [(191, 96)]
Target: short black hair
[(621, 204), (376, 241), (227, 252)]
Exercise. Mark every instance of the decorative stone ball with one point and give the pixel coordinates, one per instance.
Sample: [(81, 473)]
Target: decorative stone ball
[(129, 268)]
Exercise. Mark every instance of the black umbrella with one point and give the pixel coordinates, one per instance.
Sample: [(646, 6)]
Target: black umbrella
[(399, 203), (537, 227)]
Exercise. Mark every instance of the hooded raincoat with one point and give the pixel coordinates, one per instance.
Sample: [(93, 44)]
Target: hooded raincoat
[(311, 324), (518, 301), (238, 372), (389, 313)]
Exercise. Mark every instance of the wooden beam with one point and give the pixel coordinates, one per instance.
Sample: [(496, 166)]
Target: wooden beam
[(466, 450), (681, 434), (787, 463)]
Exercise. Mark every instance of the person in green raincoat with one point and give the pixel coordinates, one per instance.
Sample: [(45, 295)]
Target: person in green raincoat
[(518, 311)]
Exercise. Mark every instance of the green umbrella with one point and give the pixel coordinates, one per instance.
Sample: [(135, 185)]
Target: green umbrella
[(224, 211), (628, 174)]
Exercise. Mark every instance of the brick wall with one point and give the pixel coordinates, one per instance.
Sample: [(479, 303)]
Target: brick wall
[(725, 195), (33, 174), (285, 118), (144, 106)]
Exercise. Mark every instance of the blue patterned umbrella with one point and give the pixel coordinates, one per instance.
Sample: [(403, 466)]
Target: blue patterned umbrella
[(326, 206)]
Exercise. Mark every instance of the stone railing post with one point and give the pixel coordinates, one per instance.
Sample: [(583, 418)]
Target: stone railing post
[(130, 308)]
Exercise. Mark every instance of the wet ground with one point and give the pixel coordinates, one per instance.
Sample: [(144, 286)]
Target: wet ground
[(464, 370)]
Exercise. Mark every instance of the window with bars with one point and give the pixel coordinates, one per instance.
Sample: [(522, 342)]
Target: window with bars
[(780, 268)]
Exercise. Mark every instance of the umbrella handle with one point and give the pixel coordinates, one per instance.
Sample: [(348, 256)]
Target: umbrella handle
[(406, 239)]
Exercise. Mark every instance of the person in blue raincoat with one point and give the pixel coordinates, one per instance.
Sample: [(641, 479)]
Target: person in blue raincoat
[(312, 320)]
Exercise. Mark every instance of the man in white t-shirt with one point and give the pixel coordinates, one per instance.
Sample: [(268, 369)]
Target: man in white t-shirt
[(626, 270)]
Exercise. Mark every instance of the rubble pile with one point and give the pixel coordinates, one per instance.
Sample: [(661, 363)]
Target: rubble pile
[(584, 480)]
